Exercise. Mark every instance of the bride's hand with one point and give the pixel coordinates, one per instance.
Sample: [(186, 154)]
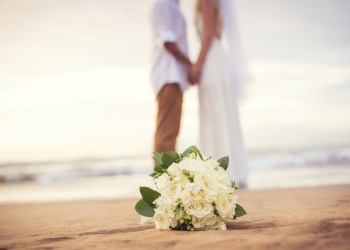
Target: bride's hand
[(195, 72)]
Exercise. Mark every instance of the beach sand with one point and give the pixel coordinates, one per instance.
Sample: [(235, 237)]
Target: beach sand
[(298, 218)]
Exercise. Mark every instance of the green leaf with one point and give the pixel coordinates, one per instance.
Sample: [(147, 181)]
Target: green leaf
[(153, 174), (159, 169), (216, 211), (224, 162), (149, 195), (192, 149), (157, 157), (144, 209), (188, 175), (233, 184), (239, 211), (169, 157)]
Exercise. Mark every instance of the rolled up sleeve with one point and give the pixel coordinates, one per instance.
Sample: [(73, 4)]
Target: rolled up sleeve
[(164, 23)]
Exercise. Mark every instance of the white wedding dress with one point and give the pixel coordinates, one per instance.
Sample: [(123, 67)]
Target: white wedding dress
[(220, 130)]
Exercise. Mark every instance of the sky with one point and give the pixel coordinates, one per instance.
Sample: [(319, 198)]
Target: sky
[(74, 78)]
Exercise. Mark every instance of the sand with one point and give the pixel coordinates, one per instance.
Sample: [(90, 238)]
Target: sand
[(301, 218)]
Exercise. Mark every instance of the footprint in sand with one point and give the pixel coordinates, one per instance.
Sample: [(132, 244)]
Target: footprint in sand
[(117, 231), (55, 239)]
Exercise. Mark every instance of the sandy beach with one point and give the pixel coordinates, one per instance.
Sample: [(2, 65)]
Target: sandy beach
[(78, 118), (299, 218)]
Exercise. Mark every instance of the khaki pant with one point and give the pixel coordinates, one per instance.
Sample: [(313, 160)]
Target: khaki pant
[(169, 101)]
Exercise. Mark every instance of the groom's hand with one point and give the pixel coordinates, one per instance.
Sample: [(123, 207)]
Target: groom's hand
[(194, 75), (191, 79)]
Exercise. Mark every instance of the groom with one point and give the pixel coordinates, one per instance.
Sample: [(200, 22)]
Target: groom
[(169, 74)]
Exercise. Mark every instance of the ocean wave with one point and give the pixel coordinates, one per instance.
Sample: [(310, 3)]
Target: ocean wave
[(53, 171)]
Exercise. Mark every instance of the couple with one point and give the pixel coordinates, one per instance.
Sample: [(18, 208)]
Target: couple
[(216, 71)]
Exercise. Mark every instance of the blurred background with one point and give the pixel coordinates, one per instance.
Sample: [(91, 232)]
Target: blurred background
[(77, 111)]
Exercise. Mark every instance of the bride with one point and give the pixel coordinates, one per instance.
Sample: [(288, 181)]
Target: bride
[(219, 75)]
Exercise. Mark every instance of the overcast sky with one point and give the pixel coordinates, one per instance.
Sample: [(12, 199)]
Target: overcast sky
[(74, 76)]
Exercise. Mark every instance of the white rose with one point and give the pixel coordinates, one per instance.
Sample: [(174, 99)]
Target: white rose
[(198, 222), (185, 196), (215, 174), (192, 165), (211, 195), (181, 179), (211, 164), (219, 225), (174, 169), (206, 180), (224, 178), (163, 221), (211, 219), (225, 207), (198, 207), (172, 191), (162, 182), (193, 188), (221, 189), (167, 206)]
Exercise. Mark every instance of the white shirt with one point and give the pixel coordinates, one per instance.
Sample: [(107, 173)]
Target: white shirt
[(168, 25)]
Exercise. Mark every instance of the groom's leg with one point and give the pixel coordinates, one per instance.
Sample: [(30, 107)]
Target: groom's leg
[(169, 101)]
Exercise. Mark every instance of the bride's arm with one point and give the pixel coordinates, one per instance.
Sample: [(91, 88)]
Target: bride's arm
[(207, 10)]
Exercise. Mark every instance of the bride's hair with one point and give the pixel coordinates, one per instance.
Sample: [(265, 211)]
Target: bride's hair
[(217, 17)]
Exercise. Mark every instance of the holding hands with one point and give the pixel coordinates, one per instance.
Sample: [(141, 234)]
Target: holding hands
[(194, 70), (194, 74)]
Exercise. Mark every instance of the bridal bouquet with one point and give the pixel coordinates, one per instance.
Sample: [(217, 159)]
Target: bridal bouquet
[(189, 192)]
